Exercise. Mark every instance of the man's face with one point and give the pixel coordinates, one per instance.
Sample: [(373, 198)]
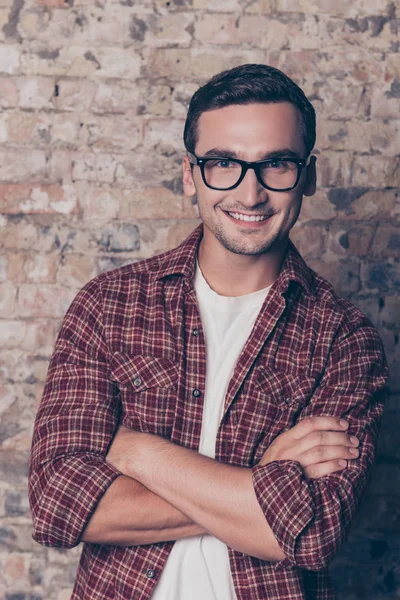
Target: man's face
[(250, 132)]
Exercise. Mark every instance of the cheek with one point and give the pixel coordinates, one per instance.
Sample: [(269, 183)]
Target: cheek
[(207, 201), (293, 209)]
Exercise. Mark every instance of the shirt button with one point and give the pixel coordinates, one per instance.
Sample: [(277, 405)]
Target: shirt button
[(150, 573), (287, 400), (137, 381), (196, 393), (195, 332)]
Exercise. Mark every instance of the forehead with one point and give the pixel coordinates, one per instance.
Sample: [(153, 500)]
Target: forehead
[(251, 130)]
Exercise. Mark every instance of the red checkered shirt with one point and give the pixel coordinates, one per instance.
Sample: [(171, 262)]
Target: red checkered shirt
[(132, 350)]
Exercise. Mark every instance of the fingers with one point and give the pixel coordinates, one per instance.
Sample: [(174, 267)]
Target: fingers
[(326, 468), (325, 438), (321, 454), (314, 440), (312, 424)]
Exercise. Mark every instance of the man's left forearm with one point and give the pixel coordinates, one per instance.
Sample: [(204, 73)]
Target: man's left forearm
[(218, 497)]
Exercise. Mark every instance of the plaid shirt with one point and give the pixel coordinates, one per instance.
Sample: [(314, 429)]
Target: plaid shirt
[(132, 350)]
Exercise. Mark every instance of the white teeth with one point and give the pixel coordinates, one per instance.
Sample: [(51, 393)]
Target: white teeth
[(248, 218)]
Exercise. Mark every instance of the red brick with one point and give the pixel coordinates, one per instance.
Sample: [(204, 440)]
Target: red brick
[(48, 301), (18, 198)]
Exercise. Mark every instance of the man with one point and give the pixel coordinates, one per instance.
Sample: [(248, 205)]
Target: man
[(210, 415)]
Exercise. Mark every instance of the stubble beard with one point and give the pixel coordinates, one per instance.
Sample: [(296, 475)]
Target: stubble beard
[(245, 247)]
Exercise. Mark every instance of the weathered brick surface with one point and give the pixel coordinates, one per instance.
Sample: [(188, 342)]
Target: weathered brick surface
[(93, 98)]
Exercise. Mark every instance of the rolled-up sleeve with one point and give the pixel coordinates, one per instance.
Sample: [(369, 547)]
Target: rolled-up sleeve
[(310, 519), (74, 426)]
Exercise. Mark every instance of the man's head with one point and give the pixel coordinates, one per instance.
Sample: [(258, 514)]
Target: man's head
[(252, 114), (249, 84)]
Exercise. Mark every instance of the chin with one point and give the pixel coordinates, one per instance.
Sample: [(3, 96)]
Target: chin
[(238, 247)]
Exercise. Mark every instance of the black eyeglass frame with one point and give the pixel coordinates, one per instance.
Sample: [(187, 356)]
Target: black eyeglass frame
[(201, 161)]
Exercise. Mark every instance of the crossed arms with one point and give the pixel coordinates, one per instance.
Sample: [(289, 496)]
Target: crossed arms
[(175, 492), (295, 503)]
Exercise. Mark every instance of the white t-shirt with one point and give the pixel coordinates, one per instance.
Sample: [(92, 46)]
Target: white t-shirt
[(198, 567)]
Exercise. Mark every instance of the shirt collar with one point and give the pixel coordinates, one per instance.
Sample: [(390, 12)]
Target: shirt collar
[(182, 261), (295, 269)]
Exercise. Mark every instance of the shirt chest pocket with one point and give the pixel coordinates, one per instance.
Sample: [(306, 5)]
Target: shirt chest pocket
[(270, 404), (148, 388), (282, 388)]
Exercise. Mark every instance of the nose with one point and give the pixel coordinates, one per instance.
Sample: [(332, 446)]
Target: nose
[(250, 192)]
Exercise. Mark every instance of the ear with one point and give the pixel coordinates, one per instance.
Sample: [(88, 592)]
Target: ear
[(311, 181), (187, 176)]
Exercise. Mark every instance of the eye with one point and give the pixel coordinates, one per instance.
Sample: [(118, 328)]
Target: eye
[(278, 163), (221, 163), (224, 164)]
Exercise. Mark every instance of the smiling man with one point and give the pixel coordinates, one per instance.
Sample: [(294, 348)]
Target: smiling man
[(210, 415), (248, 208)]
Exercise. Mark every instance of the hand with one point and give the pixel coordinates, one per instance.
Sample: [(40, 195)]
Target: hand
[(320, 444)]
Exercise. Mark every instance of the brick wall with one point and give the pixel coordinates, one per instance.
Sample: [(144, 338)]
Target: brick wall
[(93, 96)]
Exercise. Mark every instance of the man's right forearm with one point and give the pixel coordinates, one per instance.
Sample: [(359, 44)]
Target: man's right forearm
[(128, 514)]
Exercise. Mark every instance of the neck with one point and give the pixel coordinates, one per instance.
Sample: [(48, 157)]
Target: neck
[(230, 274)]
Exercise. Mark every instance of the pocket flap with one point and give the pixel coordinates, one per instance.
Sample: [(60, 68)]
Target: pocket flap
[(284, 387), (143, 372)]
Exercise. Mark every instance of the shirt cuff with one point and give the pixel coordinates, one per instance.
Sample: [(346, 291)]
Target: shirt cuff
[(284, 498), (70, 497)]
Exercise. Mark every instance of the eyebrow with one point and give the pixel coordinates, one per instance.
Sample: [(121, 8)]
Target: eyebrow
[(225, 152)]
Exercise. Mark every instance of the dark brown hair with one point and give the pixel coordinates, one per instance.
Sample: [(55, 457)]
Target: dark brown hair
[(248, 84)]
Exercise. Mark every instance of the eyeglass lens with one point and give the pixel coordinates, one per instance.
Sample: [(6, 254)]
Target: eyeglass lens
[(223, 174)]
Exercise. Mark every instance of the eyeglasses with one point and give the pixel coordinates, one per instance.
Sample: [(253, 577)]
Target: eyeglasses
[(278, 174)]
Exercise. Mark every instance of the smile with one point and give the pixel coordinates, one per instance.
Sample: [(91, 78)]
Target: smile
[(247, 218)]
